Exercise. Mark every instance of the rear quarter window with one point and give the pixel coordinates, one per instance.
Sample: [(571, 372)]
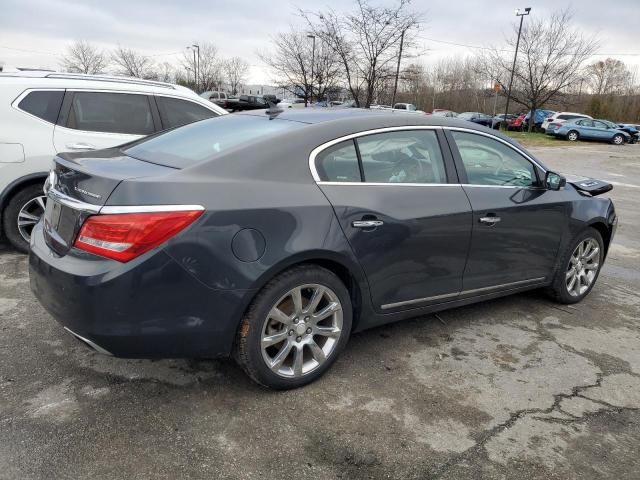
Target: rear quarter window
[(43, 104)]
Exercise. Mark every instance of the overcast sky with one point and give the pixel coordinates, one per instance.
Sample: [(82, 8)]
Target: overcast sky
[(34, 33)]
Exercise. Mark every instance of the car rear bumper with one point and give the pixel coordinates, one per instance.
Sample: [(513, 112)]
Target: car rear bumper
[(150, 307)]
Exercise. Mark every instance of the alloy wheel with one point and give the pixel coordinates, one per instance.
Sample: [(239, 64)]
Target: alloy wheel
[(583, 267), (29, 215), (618, 139), (301, 330), (573, 136)]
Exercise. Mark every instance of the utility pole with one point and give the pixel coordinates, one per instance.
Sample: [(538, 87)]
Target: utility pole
[(515, 56), (195, 68), (395, 85), (313, 61)]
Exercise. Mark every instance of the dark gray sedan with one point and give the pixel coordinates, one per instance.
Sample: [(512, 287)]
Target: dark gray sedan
[(273, 236)]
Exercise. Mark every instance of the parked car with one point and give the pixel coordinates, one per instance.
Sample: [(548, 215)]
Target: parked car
[(587, 129), (443, 113), (502, 119), (219, 98), (516, 123), (560, 117), (291, 103), (271, 98), (247, 102), (477, 117), (44, 113), (274, 237)]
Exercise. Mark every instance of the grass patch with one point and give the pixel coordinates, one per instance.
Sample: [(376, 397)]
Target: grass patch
[(537, 139)]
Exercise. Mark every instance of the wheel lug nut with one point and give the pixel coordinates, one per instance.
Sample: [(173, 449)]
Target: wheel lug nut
[(306, 319), (298, 339), (295, 320), (308, 330), (290, 332)]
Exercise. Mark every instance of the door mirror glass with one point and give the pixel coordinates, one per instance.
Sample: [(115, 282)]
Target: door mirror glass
[(554, 181)]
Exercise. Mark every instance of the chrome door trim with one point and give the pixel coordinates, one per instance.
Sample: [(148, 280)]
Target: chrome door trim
[(324, 146), (381, 184), (461, 293)]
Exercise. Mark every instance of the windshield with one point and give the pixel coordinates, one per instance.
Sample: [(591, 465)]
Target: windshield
[(609, 124), (204, 140)]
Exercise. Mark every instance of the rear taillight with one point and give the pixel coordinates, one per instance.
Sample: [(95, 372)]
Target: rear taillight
[(124, 236), (555, 125)]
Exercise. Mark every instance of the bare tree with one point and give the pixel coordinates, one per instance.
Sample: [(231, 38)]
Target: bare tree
[(290, 63), (235, 70), (209, 68), (366, 41), (610, 76), (83, 57), (133, 64), (550, 59)]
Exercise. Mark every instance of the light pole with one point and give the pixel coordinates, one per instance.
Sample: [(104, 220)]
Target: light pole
[(198, 72), (313, 60), (195, 68), (515, 56)]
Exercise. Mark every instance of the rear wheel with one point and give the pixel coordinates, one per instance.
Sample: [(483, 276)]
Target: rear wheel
[(573, 136), (617, 139), (295, 328), (579, 267), (22, 213)]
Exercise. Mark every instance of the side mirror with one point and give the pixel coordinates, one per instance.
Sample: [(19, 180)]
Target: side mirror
[(554, 181)]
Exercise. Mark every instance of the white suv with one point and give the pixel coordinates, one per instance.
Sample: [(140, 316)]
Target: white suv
[(560, 117), (44, 113)]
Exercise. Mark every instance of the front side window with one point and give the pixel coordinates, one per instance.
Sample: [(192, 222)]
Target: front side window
[(339, 163), (175, 112), (599, 124), (489, 162), (406, 156), (43, 104), (111, 113)]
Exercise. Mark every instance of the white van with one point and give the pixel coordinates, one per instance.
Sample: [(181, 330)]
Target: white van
[(45, 113), (560, 117)]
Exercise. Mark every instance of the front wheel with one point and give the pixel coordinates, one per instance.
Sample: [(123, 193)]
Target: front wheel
[(618, 139), (22, 213), (295, 328), (578, 268)]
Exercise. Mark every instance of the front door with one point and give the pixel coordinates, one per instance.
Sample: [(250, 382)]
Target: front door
[(408, 226), (517, 224), (95, 120)]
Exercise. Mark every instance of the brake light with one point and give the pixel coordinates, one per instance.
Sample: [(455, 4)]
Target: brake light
[(125, 236)]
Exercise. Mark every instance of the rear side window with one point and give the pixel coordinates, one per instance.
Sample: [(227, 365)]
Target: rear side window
[(207, 139), (339, 163), (406, 156), (111, 113), (175, 112), (43, 104)]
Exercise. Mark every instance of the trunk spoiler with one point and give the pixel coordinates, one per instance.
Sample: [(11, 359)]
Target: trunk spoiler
[(588, 185)]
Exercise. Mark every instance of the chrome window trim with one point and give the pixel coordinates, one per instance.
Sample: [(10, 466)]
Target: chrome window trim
[(463, 292), (115, 209), (316, 151), (398, 184)]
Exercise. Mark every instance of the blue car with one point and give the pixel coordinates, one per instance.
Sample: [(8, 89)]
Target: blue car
[(587, 129)]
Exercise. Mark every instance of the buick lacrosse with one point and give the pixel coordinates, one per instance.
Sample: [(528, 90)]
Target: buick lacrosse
[(272, 236)]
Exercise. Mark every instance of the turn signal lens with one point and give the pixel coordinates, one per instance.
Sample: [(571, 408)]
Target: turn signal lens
[(125, 236)]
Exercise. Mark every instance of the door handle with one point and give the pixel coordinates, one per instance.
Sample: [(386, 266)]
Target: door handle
[(80, 146), (367, 223), (490, 220)]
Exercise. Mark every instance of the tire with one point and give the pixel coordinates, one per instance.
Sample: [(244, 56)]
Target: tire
[(562, 289), (573, 136), (617, 139), (293, 330), (27, 205)]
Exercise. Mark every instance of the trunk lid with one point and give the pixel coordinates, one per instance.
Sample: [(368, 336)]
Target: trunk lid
[(80, 184)]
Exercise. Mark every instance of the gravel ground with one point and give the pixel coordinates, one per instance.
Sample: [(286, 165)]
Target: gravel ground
[(512, 388)]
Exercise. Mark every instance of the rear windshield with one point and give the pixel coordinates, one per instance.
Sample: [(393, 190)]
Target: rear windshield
[(206, 139)]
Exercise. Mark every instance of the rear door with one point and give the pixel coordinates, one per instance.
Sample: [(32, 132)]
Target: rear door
[(92, 120), (517, 224), (401, 208)]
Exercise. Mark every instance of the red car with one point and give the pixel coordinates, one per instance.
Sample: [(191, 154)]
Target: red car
[(516, 123)]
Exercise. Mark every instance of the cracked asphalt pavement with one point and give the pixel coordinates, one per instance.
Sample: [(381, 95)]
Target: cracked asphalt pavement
[(518, 387)]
